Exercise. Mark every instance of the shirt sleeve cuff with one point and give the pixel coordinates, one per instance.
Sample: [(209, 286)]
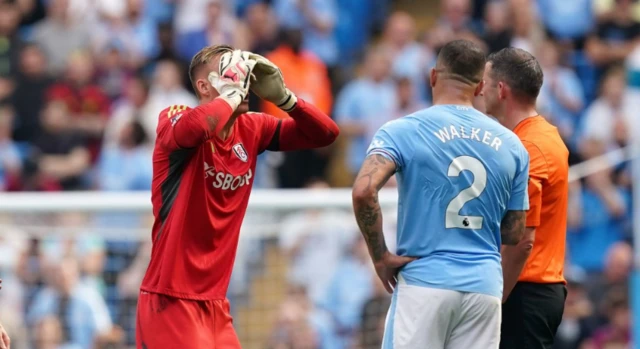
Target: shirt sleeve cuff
[(386, 154)]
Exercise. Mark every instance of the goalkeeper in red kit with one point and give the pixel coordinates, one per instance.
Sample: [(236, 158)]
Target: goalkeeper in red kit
[(203, 169)]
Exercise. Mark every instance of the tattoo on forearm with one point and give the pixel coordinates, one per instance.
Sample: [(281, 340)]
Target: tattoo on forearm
[(368, 213), (372, 162), (512, 227), (367, 217)]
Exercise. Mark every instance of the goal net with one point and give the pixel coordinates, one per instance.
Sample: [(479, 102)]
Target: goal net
[(302, 277)]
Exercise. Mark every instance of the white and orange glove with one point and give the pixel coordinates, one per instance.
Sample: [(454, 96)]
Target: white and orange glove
[(233, 78), (268, 83)]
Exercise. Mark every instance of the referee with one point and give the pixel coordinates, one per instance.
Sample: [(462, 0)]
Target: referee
[(534, 284)]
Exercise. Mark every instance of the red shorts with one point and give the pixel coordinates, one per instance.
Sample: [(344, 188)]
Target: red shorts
[(167, 322)]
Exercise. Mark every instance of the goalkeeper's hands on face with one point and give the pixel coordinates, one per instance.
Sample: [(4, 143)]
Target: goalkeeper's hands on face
[(232, 80), (268, 83)]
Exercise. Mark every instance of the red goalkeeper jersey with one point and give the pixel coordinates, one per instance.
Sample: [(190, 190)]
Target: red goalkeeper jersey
[(201, 186)]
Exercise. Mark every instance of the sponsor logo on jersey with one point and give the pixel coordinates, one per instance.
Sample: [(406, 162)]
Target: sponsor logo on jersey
[(226, 181), (240, 152)]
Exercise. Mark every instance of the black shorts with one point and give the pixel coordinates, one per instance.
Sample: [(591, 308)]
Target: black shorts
[(531, 316)]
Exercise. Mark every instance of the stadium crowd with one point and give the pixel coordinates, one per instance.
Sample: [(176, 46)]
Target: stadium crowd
[(82, 83)]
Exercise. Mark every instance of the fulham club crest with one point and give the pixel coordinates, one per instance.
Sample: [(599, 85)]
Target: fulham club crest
[(240, 152)]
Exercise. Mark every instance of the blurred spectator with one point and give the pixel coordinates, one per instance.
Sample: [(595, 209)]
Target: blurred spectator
[(617, 333), (316, 19), (220, 28), (614, 37), (357, 21), (606, 127), (406, 101), (48, 334), (526, 29), (190, 15), (455, 22), (496, 31), (554, 15), (365, 104), (9, 20), (93, 11), (262, 28), (13, 243), (350, 288), (131, 107), (127, 165), (29, 98), (166, 90), (374, 313), (166, 42), (307, 77), (82, 313), (410, 59), (62, 157), (128, 284), (617, 268), (30, 270), (605, 9), (59, 24), (32, 11), (315, 237), (135, 34), (10, 161), (300, 325), (304, 74), (160, 11), (72, 238), (577, 318), (113, 73), (112, 339), (87, 103), (599, 229), (561, 97)]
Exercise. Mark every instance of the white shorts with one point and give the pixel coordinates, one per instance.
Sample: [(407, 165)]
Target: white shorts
[(431, 318)]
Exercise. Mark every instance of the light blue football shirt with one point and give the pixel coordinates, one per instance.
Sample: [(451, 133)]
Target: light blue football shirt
[(458, 173)]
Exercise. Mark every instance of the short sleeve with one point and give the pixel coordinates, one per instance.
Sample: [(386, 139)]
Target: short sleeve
[(519, 199), (388, 142), (538, 174)]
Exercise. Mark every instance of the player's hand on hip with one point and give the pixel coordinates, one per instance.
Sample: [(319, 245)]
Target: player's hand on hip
[(269, 83), (233, 78), (387, 269)]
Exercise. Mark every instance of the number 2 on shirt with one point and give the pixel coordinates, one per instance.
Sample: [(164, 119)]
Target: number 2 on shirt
[(453, 219)]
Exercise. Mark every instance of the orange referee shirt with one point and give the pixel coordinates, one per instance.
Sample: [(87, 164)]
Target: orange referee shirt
[(548, 199)]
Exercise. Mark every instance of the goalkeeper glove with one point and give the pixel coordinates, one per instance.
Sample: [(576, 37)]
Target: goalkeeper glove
[(268, 83), (232, 79)]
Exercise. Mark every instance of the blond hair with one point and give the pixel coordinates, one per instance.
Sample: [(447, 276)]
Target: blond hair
[(204, 57)]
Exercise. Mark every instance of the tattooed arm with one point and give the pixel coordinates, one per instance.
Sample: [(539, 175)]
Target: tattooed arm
[(375, 172), (517, 244), (512, 227)]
